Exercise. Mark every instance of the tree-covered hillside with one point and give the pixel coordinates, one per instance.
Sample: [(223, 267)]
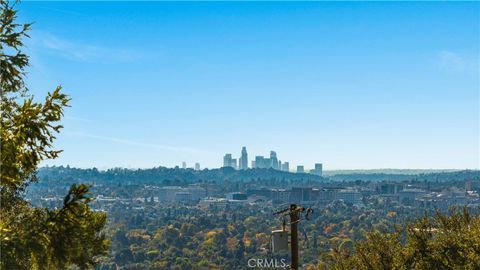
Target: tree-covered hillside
[(169, 176)]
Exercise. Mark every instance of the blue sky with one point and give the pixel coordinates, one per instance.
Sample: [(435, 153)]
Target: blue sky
[(352, 85)]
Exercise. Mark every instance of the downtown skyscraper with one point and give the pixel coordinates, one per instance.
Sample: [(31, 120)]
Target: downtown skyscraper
[(228, 161), (269, 162), (243, 162)]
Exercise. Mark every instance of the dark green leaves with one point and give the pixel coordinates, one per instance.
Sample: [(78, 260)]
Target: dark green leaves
[(37, 238)]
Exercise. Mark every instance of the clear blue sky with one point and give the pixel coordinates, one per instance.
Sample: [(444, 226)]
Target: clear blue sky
[(352, 85)]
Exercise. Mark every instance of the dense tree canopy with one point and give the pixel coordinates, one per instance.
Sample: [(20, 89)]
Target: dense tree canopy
[(446, 241), (36, 238)]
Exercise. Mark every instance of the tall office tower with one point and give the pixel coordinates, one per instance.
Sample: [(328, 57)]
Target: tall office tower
[(285, 167), (197, 166), (318, 169), (184, 165), (266, 163), (300, 169), (227, 160), (234, 163), (243, 162), (273, 160), (253, 164), (259, 160)]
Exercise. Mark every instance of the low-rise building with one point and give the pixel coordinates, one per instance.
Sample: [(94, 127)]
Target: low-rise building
[(409, 195), (349, 196), (238, 196), (181, 194), (213, 202), (280, 195)]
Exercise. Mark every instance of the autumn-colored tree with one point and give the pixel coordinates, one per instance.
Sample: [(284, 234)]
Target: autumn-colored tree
[(36, 238), (445, 241)]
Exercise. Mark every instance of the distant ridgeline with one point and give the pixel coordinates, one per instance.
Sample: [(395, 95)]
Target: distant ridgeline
[(174, 176), (168, 176), (408, 176)]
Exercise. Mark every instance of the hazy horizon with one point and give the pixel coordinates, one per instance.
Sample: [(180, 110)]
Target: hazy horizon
[(357, 86), (325, 172)]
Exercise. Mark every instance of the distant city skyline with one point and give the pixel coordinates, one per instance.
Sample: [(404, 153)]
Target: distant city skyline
[(353, 85), (259, 161)]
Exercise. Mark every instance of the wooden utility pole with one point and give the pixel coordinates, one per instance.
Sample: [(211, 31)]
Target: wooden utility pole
[(294, 211), (294, 219)]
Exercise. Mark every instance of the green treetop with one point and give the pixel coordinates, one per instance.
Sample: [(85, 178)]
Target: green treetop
[(36, 238)]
